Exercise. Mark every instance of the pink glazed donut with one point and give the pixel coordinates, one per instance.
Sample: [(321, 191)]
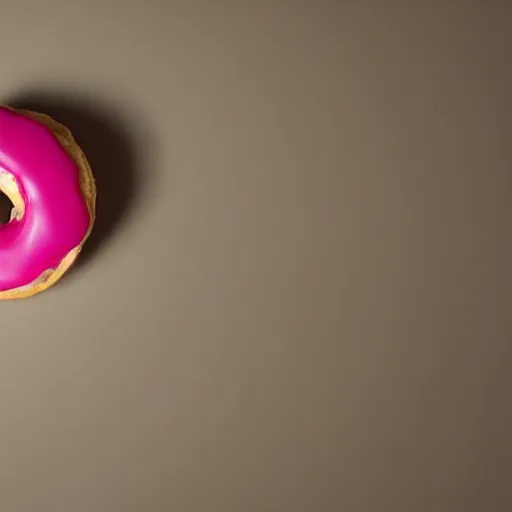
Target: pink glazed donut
[(50, 184)]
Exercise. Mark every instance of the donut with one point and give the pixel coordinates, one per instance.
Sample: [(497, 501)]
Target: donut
[(50, 184)]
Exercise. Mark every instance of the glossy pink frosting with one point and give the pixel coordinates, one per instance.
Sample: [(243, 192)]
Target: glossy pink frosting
[(56, 216)]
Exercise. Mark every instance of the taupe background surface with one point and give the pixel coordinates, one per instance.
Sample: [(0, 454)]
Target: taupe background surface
[(298, 297)]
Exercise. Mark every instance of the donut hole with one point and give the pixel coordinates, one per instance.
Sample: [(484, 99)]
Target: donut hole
[(12, 205), (6, 208)]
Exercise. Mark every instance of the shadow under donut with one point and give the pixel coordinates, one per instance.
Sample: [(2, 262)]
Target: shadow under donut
[(111, 151)]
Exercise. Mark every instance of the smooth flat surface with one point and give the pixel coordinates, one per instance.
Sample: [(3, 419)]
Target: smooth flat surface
[(298, 298)]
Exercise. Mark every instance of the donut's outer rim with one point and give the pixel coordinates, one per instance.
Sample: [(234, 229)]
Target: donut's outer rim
[(88, 187)]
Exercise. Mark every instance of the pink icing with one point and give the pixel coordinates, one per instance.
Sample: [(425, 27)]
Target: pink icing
[(56, 216)]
